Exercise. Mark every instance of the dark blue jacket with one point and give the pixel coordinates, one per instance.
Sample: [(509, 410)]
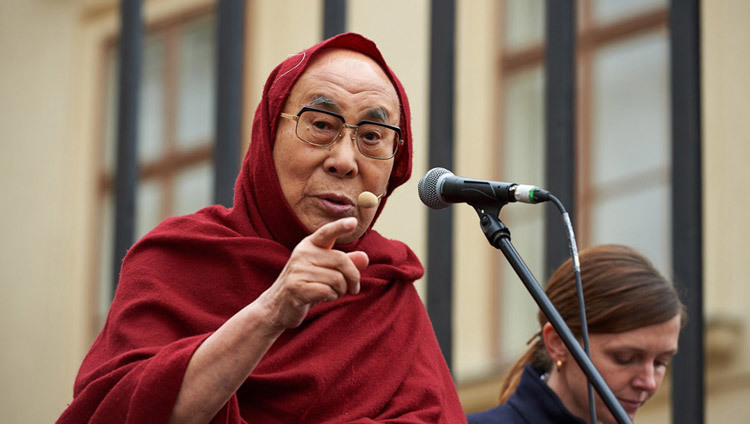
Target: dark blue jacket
[(532, 403)]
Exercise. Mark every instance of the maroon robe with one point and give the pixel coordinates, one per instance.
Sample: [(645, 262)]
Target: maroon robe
[(370, 357)]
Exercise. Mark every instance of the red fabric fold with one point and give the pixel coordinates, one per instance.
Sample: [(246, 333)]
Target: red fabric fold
[(371, 357)]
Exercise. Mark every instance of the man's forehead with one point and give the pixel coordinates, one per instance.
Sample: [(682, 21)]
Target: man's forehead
[(312, 87), (337, 57), (332, 54)]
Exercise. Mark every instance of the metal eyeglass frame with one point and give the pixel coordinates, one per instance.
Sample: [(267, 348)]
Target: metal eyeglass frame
[(295, 118)]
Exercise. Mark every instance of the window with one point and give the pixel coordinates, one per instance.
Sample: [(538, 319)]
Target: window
[(622, 146), (175, 134)]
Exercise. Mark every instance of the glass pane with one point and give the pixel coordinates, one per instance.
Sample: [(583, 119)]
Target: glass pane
[(196, 97), (518, 309), (631, 146), (524, 23), (522, 157), (630, 108), (110, 110), (148, 207), (151, 113), (606, 11), (193, 189), (639, 218), (522, 160)]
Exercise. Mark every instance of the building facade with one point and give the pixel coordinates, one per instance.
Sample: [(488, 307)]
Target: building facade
[(57, 131)]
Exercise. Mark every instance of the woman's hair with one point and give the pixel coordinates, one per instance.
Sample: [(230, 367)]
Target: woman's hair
[(622, 291)]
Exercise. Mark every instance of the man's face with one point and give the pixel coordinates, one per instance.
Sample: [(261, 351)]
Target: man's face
[(322, 184), (632, 364)]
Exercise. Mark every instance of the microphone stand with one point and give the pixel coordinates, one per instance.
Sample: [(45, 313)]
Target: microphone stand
[(499, 236)]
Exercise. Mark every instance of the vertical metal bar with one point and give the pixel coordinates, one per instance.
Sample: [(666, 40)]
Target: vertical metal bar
[(440, 222), (334, 17), (126, 174), (560, 78), (687, 259), (230, 36)]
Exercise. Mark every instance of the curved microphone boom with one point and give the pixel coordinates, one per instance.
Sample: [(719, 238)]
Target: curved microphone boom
[(439, 188)]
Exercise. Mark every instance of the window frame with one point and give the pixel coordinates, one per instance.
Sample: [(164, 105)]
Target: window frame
[(162, 170)]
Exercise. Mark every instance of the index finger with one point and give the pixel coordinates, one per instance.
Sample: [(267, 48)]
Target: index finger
[(327, 235)]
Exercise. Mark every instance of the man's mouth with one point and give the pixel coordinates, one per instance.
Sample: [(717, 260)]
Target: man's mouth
[(339, 200), (336, 204)]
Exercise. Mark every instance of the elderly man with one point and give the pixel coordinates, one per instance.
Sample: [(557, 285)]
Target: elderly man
[(288, 307)]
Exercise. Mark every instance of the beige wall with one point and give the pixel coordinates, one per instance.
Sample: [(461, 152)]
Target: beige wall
[(475, 155), (48, 97), (726, 148), (41, 164)]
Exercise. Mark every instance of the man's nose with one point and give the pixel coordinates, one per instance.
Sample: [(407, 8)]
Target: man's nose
[(342, 157)]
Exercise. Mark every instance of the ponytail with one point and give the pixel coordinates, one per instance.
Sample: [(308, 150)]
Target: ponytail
[(536, 356)]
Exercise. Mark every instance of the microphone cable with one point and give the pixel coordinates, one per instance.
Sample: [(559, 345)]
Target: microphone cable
[(579, 290)]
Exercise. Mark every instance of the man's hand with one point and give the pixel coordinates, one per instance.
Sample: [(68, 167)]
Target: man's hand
[(314, 273)]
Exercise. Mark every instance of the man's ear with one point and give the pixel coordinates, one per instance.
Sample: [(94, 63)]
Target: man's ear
[(554, 344)]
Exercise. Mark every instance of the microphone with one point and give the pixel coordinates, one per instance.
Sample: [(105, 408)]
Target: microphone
[(439, 188), (368, 200)]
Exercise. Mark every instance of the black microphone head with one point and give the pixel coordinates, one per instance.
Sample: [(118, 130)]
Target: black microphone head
[(429, 193)]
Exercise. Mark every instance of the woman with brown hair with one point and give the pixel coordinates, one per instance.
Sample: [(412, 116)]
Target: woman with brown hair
[(634, 316)]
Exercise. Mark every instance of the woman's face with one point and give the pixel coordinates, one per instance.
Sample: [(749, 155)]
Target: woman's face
[(322, 184), (632, 364)]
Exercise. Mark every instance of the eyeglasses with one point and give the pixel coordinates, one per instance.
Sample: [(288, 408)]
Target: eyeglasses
[(323, 128)]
